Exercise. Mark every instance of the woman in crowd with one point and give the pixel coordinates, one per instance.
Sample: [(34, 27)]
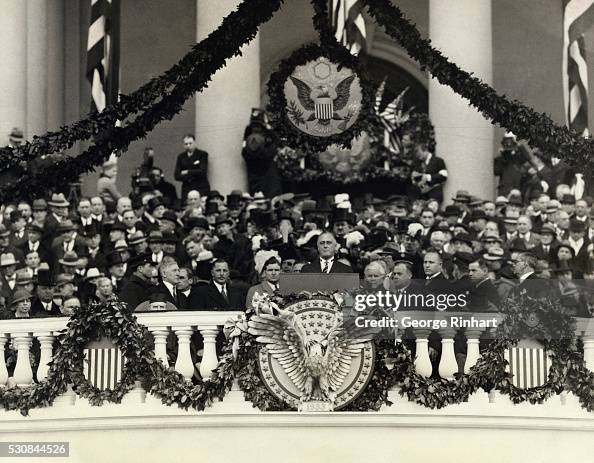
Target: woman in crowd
[(269, 271)]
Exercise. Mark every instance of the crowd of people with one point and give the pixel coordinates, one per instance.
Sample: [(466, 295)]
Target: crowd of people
[(209, 251)]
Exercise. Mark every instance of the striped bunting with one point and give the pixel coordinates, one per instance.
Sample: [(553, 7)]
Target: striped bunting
[(103, 364), (578, 16), (349, 24), (103, 53), (528, 366)]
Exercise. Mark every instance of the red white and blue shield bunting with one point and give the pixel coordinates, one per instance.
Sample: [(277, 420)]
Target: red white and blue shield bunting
[(103, 364), (324, 108)]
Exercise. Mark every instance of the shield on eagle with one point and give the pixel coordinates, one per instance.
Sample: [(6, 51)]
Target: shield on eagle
[(324, 108)]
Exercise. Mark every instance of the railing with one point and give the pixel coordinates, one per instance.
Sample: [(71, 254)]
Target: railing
[(182, 324)]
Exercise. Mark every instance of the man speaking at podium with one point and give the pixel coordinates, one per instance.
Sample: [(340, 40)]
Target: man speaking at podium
[(327, 261)]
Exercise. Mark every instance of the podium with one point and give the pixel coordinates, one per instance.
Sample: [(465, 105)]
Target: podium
[(290, 283)]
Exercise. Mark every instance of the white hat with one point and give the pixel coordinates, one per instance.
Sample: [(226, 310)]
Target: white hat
[(510, 134), (262, 257)]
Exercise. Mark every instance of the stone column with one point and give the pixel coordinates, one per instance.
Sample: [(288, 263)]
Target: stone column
[(13, 71), (223, 109), (55, 64), (461, 29), (37, 67)]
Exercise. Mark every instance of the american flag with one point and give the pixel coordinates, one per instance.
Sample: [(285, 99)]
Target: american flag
[(578, 16), (349, 24), (103, 54)]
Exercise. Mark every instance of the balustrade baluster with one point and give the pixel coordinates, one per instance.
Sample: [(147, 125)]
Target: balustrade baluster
[(472, 348), (447, 364), (209, 357), (46, 341), (23, 374), (422, 360), (160, 334), (184, 363)]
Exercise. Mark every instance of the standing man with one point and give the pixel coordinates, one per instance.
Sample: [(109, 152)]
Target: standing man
[(327, 261), (191, 168)]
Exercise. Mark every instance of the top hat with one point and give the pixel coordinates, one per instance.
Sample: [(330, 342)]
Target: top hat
[(44, 277), (211, 207), (577, 226), (170, 215), (114, 258), (214, 194), (222, 218)]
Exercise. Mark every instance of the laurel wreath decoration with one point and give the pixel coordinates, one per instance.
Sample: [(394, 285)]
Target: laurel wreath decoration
[(287, 118), (394, 366)]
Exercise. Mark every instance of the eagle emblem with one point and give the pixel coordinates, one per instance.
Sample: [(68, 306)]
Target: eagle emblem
[(323, 102), (315, 350)]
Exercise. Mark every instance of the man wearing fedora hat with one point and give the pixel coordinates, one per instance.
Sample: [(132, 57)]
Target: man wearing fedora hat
[(67, 240), (33, 243), (8, 265), (58, 212)]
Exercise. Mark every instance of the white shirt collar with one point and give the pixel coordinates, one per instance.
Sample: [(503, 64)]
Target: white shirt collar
[(526, 275)]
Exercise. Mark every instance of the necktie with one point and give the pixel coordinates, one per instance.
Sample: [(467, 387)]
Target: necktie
[(224, 293), (326, 268)]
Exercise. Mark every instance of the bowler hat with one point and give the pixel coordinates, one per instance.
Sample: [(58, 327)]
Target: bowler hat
[(222, 218)]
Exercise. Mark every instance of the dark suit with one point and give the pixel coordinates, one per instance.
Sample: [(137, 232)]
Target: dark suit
[(208, 297), (533, 287), (197, 176), (180, 301), (436, 167), (136, 291), (37, 309), (482, 294), (45, 254), (316, 267)]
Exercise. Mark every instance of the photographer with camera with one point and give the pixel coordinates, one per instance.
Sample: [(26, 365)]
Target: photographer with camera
[(259, 149)]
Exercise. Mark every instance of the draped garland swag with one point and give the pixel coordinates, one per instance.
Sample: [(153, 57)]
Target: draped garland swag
[(162, 98)]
